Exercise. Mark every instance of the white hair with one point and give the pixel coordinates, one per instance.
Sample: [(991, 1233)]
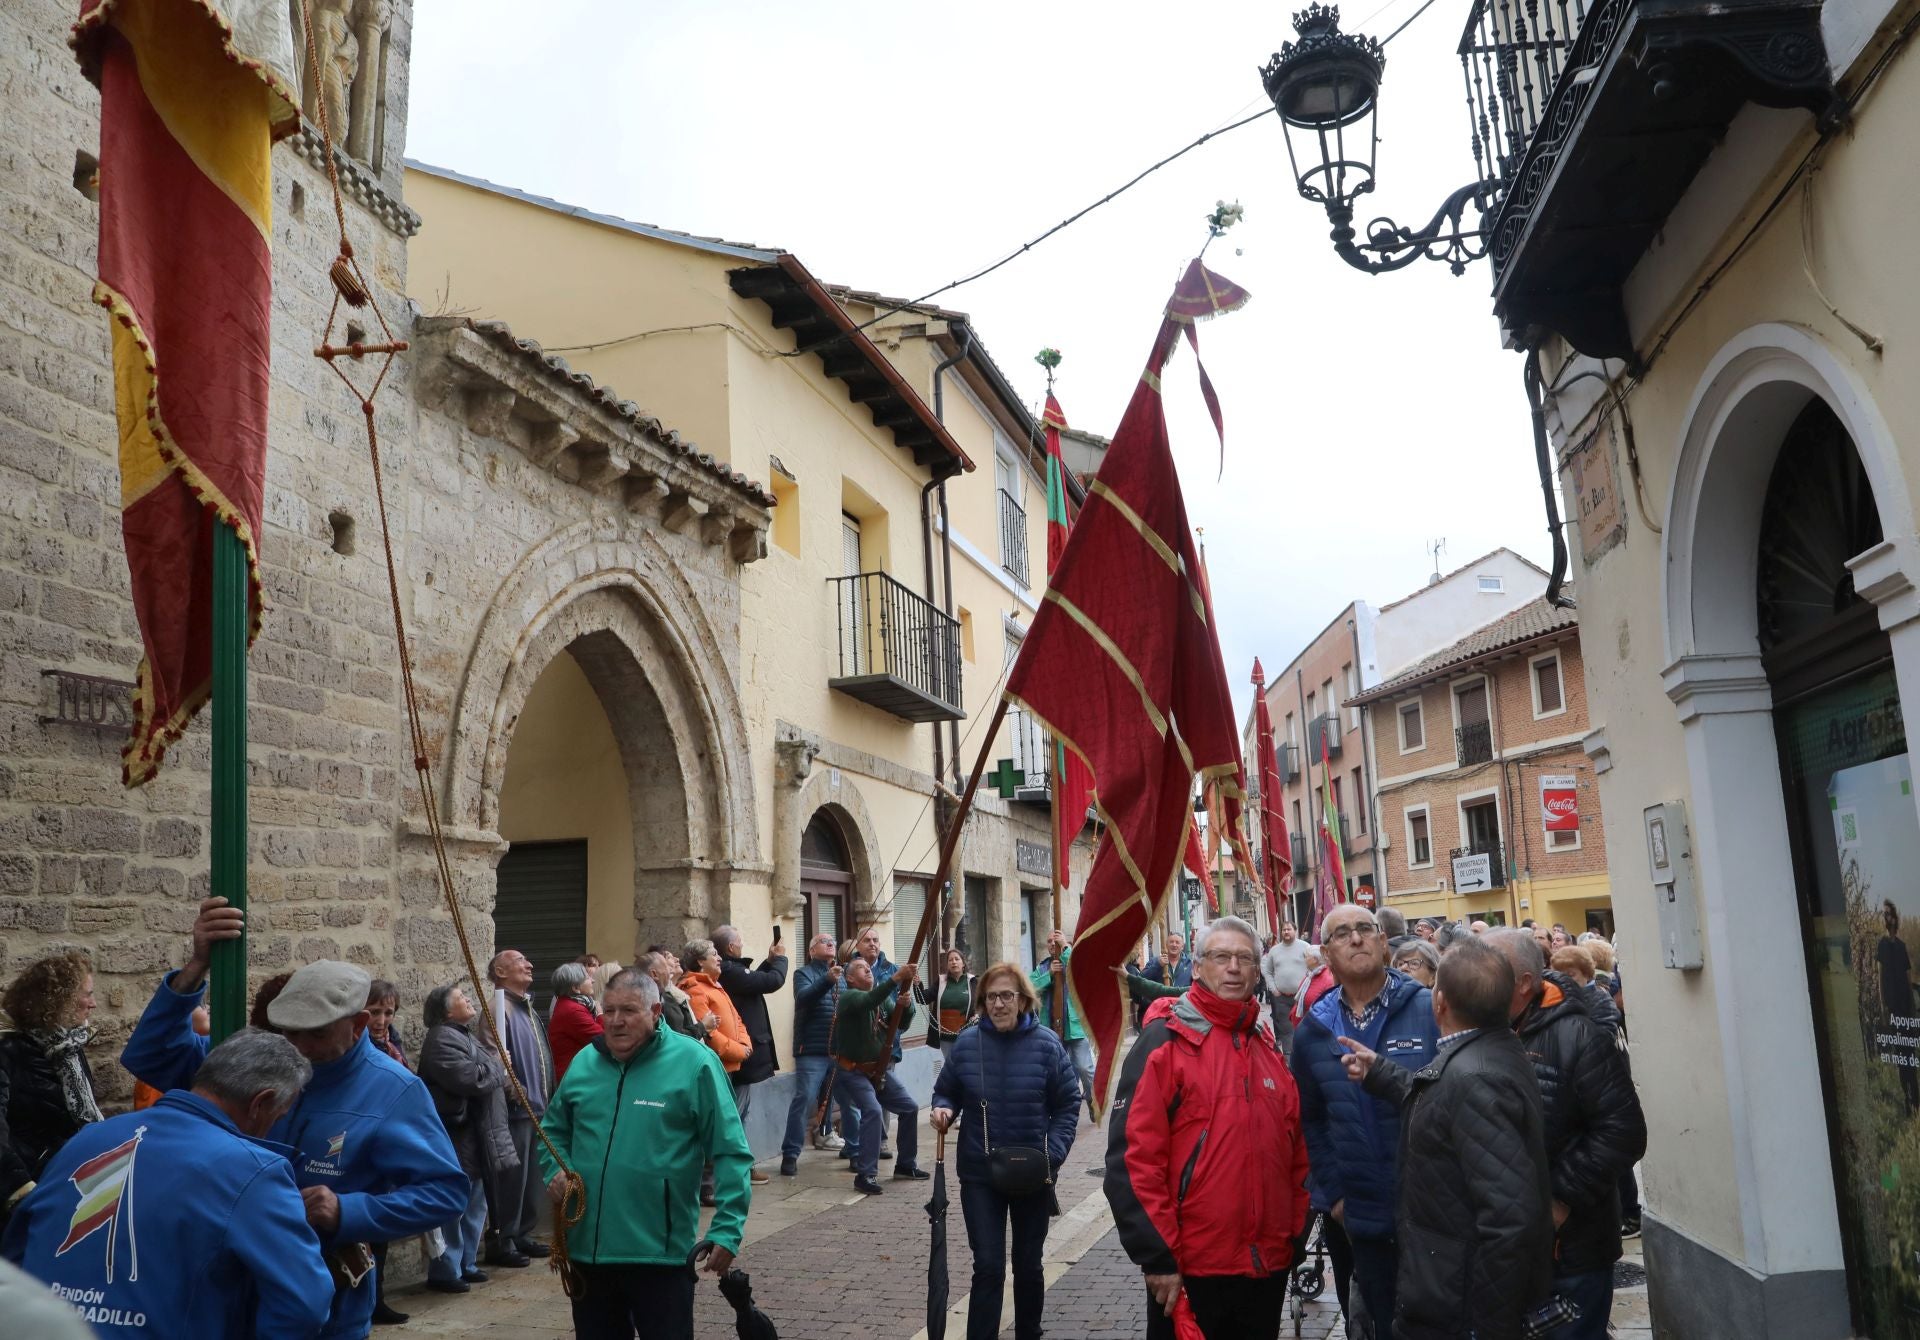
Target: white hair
[(1204, 936)]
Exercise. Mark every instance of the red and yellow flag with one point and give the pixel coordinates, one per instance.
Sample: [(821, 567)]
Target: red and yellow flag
[(105, 1184), (192, 95), (1276, 851), (1123, 666)]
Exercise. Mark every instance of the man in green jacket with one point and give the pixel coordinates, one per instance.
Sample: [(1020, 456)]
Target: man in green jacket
[(640, 1111), (858, 1040), (1079, 1050)]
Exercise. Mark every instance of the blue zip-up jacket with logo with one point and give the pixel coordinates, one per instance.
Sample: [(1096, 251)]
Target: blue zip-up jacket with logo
[(1353, 1138), (364, 1127), (210, 1238)]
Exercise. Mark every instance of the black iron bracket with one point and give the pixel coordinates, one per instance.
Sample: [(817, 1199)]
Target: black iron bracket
[(1388, 246)]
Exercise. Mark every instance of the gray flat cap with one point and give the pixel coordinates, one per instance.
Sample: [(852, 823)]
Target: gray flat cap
[(320, 994)]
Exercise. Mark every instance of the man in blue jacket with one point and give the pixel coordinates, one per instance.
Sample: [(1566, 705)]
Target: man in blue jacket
[(187, 1184), (1174, 968), (1353, 1138), (816, 990), (371, 1156)]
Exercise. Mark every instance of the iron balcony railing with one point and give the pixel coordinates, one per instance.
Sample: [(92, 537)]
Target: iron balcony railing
[(1325, 729), (1298, 843), (1473, 743), (1013, 537), (1288, 756), (1496, 863), (895, 650), (1512, 54), (1355, 843)]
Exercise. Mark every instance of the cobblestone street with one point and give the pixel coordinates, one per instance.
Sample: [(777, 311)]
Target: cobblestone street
[(826, 1262)]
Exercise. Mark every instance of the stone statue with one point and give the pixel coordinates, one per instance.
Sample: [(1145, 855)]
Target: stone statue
[(339, 57)]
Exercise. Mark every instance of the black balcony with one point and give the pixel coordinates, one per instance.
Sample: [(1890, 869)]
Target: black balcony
[(1297, 843), (1013, 537), (1594, 116), (1473, 744), (1496, 866), (1353, 843), (894, 650), (1288, 756), (1325, 730)]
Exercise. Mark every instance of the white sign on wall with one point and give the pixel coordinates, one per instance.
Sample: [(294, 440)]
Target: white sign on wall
[(1473, 874)]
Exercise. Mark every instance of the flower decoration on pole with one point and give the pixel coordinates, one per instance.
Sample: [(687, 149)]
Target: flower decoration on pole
[(1224, 216), (1048, 358)]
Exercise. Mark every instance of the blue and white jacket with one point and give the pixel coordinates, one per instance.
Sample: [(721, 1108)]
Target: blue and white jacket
[(192, 1229), (1353, 1138), (364, 1127)]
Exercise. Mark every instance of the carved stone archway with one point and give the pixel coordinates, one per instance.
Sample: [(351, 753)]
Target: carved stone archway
[(631, 620)]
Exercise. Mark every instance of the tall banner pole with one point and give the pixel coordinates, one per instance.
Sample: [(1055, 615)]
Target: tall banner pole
[(227, 998), (1057, 995)]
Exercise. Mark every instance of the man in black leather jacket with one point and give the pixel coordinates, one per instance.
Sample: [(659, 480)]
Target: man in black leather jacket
[(1595, 1128), (1472, 1218)]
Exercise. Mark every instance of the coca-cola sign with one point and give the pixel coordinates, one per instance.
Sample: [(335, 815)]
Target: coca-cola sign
[(1560, 803)]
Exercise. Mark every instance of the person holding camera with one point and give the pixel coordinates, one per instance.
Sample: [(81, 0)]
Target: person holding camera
[(1010, 1085)]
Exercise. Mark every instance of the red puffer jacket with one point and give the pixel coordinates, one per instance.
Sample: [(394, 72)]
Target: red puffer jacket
[(1206, 1165)]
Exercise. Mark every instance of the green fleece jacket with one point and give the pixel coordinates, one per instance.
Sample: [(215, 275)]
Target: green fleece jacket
[(855, 1035), (638, 1132)]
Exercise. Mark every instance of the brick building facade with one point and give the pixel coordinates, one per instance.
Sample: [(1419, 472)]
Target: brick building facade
[(1466, 743)]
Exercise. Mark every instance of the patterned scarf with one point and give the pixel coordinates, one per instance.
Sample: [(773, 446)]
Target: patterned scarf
[(63, 1047)]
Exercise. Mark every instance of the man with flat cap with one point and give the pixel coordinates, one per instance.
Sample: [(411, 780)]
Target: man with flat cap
[(371, 1157)]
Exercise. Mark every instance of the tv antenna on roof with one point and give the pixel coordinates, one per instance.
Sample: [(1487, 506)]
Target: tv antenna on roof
[(1434, 548)]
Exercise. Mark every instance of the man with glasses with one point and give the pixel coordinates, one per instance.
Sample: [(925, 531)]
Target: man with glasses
[(1206, 1077), (1353, 1137)]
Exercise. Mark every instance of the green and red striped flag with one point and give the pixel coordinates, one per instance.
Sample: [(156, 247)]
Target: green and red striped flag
[(1072, 782), (1333, 874)]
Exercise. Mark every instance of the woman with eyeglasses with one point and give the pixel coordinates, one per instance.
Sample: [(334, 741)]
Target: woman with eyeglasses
[(1011, 1087)]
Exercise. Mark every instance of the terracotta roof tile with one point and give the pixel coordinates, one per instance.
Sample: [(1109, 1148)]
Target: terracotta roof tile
[(1535, 619)]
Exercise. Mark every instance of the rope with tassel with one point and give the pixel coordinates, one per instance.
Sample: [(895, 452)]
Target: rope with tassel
[(351, 287)]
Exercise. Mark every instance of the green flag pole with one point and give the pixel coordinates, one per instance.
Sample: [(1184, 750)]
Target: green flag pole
[(227, 997)]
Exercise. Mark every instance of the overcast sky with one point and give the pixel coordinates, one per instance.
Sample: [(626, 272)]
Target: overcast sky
[(897, 146)]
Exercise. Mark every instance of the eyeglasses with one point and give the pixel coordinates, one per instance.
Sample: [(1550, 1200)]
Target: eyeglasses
[(1002, 997), (1227, 957), (1351, 930)]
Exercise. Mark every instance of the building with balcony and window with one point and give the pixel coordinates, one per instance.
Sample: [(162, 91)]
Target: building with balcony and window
[(1485, 798), (1698, 219), (890, 591), (1351, 654)]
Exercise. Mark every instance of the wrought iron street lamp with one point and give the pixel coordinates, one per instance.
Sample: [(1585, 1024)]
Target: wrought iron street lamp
[(1326, 87)]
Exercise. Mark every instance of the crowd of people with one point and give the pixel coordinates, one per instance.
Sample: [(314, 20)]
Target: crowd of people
[(1446, 1109)]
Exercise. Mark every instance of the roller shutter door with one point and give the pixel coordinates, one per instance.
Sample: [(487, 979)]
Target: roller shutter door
[(541, 907)]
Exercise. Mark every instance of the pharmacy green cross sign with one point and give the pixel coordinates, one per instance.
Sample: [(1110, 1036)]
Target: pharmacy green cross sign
[(1006, 778)]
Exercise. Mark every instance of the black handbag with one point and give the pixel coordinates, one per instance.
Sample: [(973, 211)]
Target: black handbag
[(1016, 1171)]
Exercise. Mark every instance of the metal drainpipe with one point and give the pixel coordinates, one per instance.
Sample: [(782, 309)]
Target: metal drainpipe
[(1543, 457), (941, 807), (1366, 782)]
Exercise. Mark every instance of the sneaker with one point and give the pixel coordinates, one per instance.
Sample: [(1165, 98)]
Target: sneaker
[(886, 1150), (901, 1174), (533, 1248), (789, 1167), (449, 1286), (758, 1178), (829, 1141), (475, 1276), (1630, 1226), (866, 1186)]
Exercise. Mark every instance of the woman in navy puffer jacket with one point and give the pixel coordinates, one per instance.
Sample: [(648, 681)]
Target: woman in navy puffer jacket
[(1008, 1079)]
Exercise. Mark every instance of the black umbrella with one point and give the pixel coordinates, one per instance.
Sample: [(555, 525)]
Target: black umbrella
[(937, 1253), (749, 1322)]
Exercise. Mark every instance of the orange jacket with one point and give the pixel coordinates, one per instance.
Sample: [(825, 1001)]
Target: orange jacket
[(730, 1038)]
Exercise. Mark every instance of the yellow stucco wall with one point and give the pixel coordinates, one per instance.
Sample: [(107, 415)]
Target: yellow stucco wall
[(565, 280), (1864, 188), (565, 781)]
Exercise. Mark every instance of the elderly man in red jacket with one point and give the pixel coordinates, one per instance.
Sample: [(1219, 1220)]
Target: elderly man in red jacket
[(1206, 1164)]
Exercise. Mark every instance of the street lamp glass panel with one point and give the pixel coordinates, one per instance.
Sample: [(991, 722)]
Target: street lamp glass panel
[(1326, 87)]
